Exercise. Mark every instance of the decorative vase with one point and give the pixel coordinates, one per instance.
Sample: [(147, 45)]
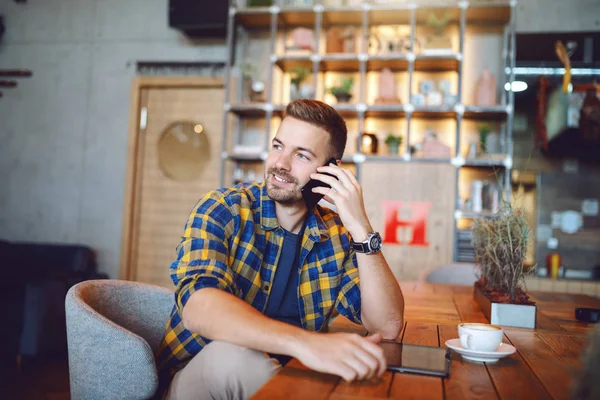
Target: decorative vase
[(294, 92), (369, 143), (485, 90), (306, 91), (492, 143), (394, 148)]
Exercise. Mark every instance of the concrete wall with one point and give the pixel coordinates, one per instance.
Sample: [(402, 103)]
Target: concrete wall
[(63, 132)]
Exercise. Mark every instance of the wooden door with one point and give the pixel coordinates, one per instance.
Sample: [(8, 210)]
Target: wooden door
[(174, 159)]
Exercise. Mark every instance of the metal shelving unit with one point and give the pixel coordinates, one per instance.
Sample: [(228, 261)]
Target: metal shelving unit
[(274, 20)]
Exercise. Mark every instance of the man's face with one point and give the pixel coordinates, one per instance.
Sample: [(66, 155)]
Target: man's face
[(297, 150)]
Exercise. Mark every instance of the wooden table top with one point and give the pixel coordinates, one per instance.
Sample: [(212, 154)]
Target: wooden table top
[(543, 367)]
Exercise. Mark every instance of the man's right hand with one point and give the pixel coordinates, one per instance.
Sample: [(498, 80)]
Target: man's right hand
[(348, 355)]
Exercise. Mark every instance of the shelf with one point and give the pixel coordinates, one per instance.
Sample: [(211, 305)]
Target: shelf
[(385, 111), (427, 112), (253, 17), (290, 63), (494, 12), (275, 23), (490, 12), (346, 110), (491, 160), (496, 113), (250, 110), (340, 63), (350, 62), (296, 16), (437, 63), (258, 110), (342, 16), (395, 62)]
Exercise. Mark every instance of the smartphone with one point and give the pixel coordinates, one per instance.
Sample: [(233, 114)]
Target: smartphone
[(310, 198), (417, 359)]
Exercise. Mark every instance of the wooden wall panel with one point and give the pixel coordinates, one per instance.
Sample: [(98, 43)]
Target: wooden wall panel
[(408, 183)]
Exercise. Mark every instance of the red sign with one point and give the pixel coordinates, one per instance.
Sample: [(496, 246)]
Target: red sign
[(419, 211)]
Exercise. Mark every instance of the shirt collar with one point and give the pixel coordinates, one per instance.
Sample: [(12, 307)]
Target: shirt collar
[(315, 225)]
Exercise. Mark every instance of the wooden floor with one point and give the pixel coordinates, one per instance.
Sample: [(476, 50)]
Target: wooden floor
[(41, 379)]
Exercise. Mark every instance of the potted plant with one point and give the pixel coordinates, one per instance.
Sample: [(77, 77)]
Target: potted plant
[(296, 90), (438, 43), (500, 246), (393, 142), (342, 92)]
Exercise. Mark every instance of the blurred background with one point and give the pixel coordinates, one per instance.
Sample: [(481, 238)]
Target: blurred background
[(117, 116)]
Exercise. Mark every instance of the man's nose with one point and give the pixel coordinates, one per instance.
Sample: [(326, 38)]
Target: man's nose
[(283, 162)]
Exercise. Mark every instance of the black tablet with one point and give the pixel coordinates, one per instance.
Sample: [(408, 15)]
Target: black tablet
[(424, 360)]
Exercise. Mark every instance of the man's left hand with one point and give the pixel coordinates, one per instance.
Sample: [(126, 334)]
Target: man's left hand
[(346, 193)]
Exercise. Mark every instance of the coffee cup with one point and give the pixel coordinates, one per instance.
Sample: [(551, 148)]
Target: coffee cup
[(480, 337)]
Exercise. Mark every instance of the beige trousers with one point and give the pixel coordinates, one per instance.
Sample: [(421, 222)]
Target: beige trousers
[(223, 371)]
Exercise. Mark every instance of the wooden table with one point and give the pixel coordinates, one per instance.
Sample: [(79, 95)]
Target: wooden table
[(542, 368)]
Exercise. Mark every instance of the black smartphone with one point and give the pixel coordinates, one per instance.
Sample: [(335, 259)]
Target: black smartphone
[(310, 198), (417, 359)]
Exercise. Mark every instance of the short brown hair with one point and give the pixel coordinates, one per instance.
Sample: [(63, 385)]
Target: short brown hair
[(323, 116)]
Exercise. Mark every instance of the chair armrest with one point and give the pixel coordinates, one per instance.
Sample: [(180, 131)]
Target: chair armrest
[(105, 360)]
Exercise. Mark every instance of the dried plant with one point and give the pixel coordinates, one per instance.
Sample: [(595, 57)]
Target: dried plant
[(500, 248), (587, 385)]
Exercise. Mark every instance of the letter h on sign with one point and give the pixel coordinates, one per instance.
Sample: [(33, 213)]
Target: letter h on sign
[(417, 221)]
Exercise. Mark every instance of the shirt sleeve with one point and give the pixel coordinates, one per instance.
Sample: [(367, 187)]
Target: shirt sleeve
[(348, 302), (204, 249)]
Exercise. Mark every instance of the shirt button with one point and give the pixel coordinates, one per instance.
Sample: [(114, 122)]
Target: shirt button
[(266, 288)]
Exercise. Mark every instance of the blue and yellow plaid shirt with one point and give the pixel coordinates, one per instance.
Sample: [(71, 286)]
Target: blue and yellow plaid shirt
[(233, 241)]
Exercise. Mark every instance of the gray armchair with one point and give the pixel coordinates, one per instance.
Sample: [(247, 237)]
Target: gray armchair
[(113, 329)]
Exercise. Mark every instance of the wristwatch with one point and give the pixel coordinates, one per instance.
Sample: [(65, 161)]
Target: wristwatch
[(372, 244)]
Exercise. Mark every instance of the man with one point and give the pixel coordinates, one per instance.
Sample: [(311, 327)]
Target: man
[(258, 276)]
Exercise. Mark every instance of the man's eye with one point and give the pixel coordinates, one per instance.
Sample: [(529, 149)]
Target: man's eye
[(302, 156), (276, 147)]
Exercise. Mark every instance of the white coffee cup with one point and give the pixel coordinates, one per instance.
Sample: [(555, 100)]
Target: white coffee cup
[(480, 337)]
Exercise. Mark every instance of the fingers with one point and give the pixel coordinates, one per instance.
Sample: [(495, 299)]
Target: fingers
[(370, 344), (330, 195), (361, 369), (370, 354), (335, 183), (352, 179), (340, 173), (370, 362), (346, 372), (375, 338)]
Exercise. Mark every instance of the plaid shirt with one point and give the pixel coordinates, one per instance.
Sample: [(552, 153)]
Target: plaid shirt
[(232, 241)]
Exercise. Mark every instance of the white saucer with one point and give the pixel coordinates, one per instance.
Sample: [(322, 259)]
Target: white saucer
[(482, 356)]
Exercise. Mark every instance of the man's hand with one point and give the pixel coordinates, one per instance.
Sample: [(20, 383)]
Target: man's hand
[(348, 355), (346, 194)]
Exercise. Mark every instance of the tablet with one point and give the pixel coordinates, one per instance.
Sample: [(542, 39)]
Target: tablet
[(417, 359)]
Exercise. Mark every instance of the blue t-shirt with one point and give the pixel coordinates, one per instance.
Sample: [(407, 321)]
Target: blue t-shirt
[(283, 300)]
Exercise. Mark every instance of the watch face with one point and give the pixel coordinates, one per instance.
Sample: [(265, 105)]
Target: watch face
[(375, 242)]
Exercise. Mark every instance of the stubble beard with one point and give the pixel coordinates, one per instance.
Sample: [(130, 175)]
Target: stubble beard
[(287, 195)]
